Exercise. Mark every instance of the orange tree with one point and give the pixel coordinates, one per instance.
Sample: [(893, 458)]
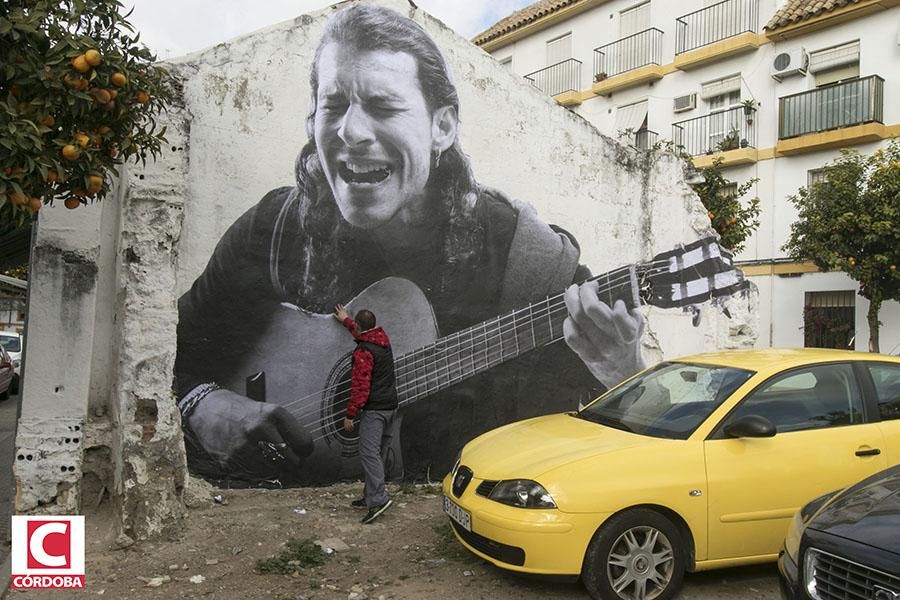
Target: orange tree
[(851, 222), (79, 95), (732, 220)]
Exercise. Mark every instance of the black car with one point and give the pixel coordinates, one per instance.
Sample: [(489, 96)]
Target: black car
[(846, 544)]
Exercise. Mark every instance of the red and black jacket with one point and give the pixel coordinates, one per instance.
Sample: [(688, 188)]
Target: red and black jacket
[(372, 379)]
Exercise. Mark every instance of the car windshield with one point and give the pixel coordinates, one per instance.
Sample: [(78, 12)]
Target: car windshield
[(10, 343), (668, 401)]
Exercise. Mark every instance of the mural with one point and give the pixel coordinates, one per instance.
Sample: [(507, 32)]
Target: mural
[(491, 314)]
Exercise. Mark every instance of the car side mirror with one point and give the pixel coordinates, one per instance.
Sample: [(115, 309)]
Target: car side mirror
[(753, 426)]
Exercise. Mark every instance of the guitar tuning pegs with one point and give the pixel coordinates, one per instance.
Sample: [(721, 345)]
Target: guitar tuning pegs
[(695, 314)]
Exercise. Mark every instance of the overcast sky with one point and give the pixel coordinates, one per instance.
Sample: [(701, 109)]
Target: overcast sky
[(175, 27)]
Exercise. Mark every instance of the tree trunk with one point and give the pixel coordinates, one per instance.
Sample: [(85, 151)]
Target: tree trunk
[(872, 317)]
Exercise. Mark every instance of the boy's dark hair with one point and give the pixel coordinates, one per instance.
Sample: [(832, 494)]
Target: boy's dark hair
[(365, 320)]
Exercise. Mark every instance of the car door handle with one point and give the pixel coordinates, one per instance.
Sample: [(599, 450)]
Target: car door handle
[(869, 452)]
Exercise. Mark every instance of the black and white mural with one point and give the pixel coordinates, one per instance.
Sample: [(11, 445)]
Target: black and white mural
[(492, 312)]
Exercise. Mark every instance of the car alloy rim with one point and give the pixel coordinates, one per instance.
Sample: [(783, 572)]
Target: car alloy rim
[(640, 564)]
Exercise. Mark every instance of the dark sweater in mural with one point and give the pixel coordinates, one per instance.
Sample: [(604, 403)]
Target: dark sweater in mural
[(523, 260)]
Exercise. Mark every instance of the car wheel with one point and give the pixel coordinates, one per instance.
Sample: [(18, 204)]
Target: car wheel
[(636, 555), (4, 394)]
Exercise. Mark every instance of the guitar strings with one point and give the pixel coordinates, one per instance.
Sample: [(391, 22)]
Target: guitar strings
[(493, 354), (446, 348), (609, 284), (322, 425), (472, 341)]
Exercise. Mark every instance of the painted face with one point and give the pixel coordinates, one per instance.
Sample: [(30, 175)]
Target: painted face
[(374, 134)]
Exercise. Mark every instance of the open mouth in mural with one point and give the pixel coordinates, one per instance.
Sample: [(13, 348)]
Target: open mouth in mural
[(363, 172)]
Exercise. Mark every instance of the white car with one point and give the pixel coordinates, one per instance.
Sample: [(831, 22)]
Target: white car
[(12, 343)]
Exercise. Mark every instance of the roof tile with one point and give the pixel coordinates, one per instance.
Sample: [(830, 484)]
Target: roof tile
[(796, 11), (520, 18)]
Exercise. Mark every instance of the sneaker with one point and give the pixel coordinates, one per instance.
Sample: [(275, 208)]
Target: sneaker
[(376, 511), (361, 503)]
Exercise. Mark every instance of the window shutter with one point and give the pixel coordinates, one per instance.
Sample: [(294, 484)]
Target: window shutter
[(721, 87), (838, 56), (634, 20), (631, 116), (559, 49)]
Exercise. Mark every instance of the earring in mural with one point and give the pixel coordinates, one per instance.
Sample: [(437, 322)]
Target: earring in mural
[(436, 159)]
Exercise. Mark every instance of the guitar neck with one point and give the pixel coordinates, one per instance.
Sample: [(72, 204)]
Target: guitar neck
[(457, 357)]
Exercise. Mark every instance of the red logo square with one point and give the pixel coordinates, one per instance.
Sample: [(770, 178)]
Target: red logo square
[(49, 544)]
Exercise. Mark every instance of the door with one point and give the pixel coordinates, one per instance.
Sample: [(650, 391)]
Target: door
[(821, 444), (886, 378)]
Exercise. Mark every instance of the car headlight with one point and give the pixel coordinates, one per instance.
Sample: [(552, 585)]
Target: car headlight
[(792, 539), (16, 364), (522, 493)]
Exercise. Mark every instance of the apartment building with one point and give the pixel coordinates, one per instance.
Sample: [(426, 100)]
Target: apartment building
[(772, 87)]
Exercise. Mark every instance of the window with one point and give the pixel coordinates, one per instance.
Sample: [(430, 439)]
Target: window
[(816, 177), (836, 63), (559, 49), (631, 117), (724, 122), (829, 319), (809, 398), (887, 389), (634, 20)]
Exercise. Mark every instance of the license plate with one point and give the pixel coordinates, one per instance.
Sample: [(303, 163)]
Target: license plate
[(458, 514)]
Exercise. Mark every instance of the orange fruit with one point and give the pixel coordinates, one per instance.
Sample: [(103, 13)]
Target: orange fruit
[(35, 204), (112, 94), (80, 64), (82, 139), (95, 184), (92, 57), (118, 79), (142, 97), (52, 176), (103, 130), (48, 121), (15, 91), (72, 203), (17, 198), (100, 95), (71, 152)]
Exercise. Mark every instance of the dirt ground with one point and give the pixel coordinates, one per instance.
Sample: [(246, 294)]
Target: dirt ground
[(408, 553)]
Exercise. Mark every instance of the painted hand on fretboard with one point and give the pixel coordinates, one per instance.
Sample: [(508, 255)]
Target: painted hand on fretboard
[(607, 339)]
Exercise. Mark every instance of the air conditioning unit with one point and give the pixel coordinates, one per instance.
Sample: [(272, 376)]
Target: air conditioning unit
[(685, 103), (788, 64)]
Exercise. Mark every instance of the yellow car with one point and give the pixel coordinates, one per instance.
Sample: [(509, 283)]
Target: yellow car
[(693, 464)]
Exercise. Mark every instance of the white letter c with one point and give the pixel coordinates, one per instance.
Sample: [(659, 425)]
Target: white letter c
[(36, 545)]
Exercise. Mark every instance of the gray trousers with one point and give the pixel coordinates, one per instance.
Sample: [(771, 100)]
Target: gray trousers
[(376, 428)]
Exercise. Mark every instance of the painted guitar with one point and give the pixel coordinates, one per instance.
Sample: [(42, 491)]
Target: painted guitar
[(313, 380)]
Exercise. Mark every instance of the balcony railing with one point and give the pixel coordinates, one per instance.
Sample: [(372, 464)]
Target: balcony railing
[(715, 23), (632, 52), (832, 107), (564, 76), (644, 139), (717, 132)]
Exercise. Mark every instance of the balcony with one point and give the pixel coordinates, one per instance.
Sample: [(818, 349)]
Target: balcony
[(832, 116), (561, 81), (630, 61), (644, 139), (728, 134), (715, 32)]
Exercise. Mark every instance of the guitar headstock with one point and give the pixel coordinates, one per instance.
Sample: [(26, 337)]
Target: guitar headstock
[(690, 274)]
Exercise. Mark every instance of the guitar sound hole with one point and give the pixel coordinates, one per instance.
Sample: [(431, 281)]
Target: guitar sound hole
[(334, 408)]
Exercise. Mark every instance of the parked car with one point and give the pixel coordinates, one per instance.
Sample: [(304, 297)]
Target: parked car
[(6, 373), (12, 343), (848, 543), (693, 464)]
